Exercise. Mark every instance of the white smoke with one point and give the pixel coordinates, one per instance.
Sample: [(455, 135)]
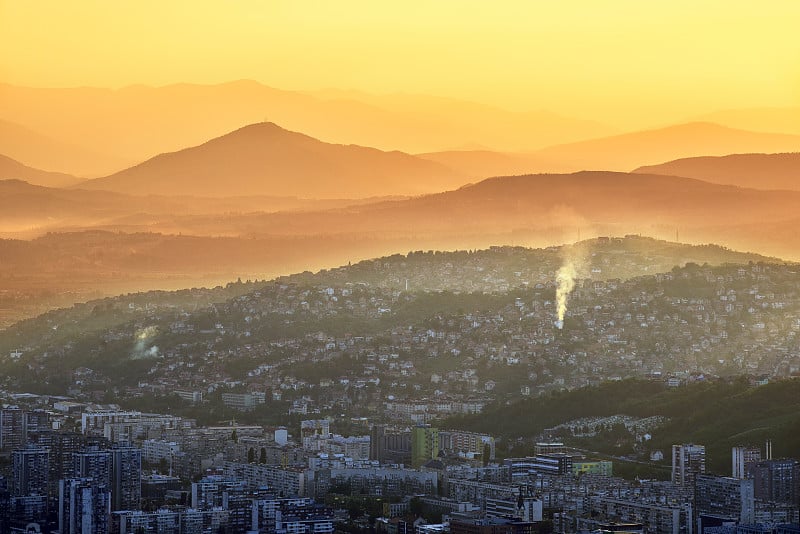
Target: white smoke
[(566, 276), (142, 339)]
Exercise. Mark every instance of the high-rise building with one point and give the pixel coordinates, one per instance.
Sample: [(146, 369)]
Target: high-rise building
[(36, 421), (208, 491), (12, 428), (126, 477), (94, 422), (390, 445), (84, 506), (314, 427), (776, 480), (155, 488), (31, 471), (424, 445), (490, 525), (377, 442), (723, 499), (549, 447), (741, 458), (28, 509), (688, 461), (93, 463), (594, 467), (62, 446), (555, 464), (5, 505), (238, 503), (471, 444), (523, 507)]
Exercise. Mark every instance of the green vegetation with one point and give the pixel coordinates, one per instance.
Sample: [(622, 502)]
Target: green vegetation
[(98, 316), (718, 414)]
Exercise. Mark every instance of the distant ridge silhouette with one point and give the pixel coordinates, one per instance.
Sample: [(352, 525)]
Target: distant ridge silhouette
[(13, 169), (138, 122), (265, 159), (620, 152), (50, 154), (759, 171), (630, 150)]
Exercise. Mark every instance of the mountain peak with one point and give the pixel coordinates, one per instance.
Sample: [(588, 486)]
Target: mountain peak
[(265, 130), (264, 158), (264, 126)]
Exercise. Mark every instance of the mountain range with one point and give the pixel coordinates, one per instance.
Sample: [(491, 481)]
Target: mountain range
[(621, 152), (138, 122), (266, 159), (629, 202), (762, 171), (132, 124), (765, 119), (538, 207), (631, 150), (28, 210), (263, 199)]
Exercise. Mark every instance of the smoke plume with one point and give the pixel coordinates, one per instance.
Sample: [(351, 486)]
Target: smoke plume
[(565, 278), (574, 262), (142, 338)]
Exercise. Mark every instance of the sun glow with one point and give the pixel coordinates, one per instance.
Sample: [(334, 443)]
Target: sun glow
[(627, 63)]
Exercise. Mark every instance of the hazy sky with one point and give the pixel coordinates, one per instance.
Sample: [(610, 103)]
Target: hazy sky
[(615, 60)]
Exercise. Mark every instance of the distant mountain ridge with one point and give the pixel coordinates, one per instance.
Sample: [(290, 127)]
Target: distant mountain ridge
[(538, 207), (630, 150), (138, 122), (535, 210), (619, 152), (119, 127), (480, 164), (50, 154), (586, 197), (27, 210), (265, 159), (759, 171), (11, 169), (765, 119)]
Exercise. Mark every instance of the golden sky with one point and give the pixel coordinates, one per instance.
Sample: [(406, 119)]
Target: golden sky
[(614, 60)]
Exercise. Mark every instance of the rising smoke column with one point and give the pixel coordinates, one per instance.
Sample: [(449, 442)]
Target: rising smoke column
[(566, 276)]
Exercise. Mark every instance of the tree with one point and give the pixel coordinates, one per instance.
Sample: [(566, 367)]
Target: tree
[(251, 455), (416, 506), (262, 458), (234, 436), (487, 452)]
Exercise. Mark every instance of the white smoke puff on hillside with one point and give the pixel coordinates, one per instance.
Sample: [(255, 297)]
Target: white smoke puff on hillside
[(142, 337)]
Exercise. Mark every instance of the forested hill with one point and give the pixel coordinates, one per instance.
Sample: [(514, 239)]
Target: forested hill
[(498, 269), (718, 414), (503, 268)]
